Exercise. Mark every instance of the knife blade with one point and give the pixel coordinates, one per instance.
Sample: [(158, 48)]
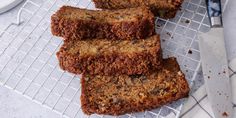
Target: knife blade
[(215, 64)]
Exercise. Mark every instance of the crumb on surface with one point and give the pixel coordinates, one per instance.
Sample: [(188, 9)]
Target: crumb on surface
[(187, 21), (190, 52), (225, 114), (168, 33)]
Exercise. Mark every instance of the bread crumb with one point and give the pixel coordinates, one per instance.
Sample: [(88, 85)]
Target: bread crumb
[(168, 33), (187, 21), (190, 52), (225, 114)]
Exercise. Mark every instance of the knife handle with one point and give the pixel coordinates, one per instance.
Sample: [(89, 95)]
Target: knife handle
[(214, 12)]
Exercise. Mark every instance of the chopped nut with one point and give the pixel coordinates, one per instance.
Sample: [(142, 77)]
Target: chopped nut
[(174, 91), (86, 78), (142, 95), (155, 91), (114, 100), (180, 73), (103, 108), (128, 82)]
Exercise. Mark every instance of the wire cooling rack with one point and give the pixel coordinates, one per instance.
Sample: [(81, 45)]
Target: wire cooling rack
[(28, 64)]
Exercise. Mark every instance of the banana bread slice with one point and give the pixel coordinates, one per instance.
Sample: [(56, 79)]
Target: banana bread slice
[(163, 8), (75, 23), (107, 57), (116, 95)]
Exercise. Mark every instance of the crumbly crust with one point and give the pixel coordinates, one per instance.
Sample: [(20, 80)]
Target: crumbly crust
[(117, 95), (162, 8), (75, 23), (108, 57)]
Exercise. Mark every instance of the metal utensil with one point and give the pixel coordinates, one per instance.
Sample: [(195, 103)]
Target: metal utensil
[(214, 63)]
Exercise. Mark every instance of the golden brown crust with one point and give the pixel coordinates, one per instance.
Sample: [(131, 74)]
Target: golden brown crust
[(162, 8), (116, 95), (111, 57), (102, 24)]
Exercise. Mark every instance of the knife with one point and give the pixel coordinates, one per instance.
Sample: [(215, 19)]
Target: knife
[(215, 64)]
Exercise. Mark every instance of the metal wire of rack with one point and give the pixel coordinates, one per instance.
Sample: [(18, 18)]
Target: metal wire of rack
[(28, 64)]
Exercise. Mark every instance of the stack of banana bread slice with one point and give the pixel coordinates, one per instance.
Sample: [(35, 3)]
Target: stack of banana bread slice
[(119, 57)]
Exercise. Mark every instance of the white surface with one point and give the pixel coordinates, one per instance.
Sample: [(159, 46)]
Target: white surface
[(8, 4), (33, 110), (13, 105)]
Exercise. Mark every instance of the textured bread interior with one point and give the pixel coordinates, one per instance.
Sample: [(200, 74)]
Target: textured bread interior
[(161, 4), (123, 93), (162, 8), (109, 16), (103, 46)]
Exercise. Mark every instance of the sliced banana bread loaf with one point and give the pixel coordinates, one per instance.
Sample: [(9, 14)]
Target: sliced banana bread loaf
[(116, 95), (75, 23), (108, 57), (162, 8)]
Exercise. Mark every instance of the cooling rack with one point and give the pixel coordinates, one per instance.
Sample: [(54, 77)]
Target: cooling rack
[(28, 64)]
